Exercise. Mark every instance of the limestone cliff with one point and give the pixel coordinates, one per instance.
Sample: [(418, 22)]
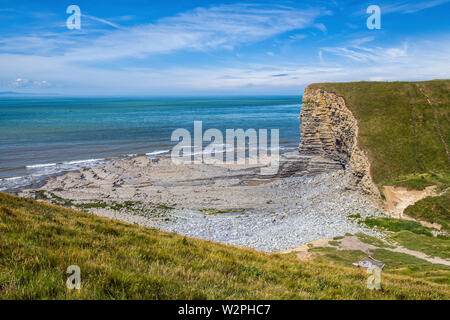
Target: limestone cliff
[(329, 140), (330, 131)]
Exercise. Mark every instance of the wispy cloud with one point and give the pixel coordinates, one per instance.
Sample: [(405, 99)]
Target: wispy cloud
[(416, 61), (201, 29), (402, 6), (357, 51), (252, 48), (321, 27), (298, 36), (29, 84), (411, 6), (109, 23)]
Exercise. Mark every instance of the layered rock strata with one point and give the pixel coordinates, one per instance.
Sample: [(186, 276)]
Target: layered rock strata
[(329, 141)]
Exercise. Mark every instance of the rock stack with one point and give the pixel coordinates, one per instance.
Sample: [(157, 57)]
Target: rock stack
[(329, 133)]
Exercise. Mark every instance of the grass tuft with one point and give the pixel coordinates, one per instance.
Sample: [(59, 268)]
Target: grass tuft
[(395, 225), (38, 241)]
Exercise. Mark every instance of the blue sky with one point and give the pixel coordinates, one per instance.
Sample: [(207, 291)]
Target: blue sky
[(181, 48)]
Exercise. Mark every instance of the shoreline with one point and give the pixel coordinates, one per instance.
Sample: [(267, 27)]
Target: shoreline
[(230, 204), (36, 177)]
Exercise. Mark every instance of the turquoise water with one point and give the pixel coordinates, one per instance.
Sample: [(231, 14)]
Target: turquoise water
[(40, 136)]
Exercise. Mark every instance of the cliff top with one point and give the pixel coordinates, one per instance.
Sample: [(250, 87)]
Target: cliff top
[(404, 128)]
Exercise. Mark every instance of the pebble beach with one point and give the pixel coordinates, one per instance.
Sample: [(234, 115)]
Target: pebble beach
[(231, 204)]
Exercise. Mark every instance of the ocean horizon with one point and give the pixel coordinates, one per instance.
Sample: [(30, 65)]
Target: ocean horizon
[(40, 136)]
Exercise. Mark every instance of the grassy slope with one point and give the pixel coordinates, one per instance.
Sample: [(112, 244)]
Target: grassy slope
[(396, 263), (398, 128), (405, 137), (117, 260), (411, 235), (408, 234), (433, 209)]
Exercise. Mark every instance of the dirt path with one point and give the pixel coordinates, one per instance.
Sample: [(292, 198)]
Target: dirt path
[(354, 243), (420, 255)]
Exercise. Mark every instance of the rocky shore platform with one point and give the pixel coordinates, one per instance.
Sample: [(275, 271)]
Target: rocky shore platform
[(232, 204)]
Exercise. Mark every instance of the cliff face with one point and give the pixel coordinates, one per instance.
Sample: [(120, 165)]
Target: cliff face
[(329, 138)]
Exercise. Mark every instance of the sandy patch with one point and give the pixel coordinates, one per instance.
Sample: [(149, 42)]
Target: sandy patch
[(399, 198)]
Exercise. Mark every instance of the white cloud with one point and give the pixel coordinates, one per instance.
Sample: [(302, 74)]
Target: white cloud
[(201, 29), (298, 36), (357, 52), (411, 6), (419, 60), (112, 24), (28, 84), (321, 27), (68, 62), (19, 82)]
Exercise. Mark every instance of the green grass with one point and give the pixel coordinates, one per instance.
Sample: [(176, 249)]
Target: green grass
[(402, 134), (39, 241), (331, 255), (213, 212), (420, 181), (154, 210), (92, 205), (395, 225), (432, 246), (395, 263), (406, 138), (408, 234), (404, 264), (432, 209), (373, 241)]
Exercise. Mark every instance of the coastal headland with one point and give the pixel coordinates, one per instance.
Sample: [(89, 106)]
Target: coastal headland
[(317, 187)]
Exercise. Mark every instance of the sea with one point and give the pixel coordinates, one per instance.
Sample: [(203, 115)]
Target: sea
[(45, 136)]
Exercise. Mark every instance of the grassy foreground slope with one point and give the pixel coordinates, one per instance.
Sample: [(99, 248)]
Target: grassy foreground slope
[(405, 129), (39, 241)]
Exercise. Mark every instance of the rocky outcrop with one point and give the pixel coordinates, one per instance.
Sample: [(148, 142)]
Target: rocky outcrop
[(329, 140)]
